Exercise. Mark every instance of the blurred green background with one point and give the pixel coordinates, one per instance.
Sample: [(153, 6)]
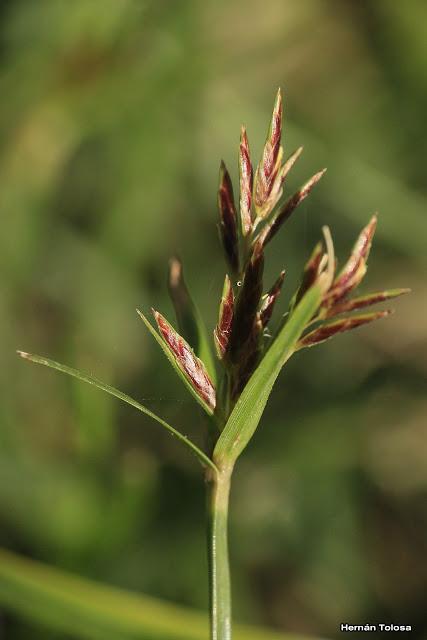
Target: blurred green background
[(114, 115)]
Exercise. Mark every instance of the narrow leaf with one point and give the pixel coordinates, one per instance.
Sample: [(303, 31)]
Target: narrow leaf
[(287, 166), (328, 262), (190, 321), (331, 329), (249, 407), (121, 396), (288, 208), (246, 183), (189, 368), (228, 219), (225, 320), (82, 608), (365, 301)]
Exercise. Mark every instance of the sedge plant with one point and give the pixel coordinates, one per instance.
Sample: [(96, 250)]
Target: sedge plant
[(232, 375)]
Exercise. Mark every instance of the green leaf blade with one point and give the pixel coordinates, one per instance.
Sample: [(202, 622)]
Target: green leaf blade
[(248, 410), (121, 396), (82, 608)]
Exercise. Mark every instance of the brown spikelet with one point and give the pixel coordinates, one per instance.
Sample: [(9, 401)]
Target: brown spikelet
[(311, 271), (228, 219), (270, 163), (287, 209), (187, 361), (275, 131), (362, 302), (270, 299), (247, 304), (355, 268), (364, 241), (246, 183), (276, 188), (249, 358), (331, 329), (225, 320)]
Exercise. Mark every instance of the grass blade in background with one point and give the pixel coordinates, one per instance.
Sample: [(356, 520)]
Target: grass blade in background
[(121, 396), (91, 611)]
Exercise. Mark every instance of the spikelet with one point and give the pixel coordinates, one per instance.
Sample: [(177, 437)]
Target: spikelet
[(225, 320), (354, 270), (246, 184), (184, 356), (268, 181), (270, 300), (228, 220), (362, 302), (331, 329), (287, 209)]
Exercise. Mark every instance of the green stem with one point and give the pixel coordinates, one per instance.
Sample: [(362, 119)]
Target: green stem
[(219, 572)]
